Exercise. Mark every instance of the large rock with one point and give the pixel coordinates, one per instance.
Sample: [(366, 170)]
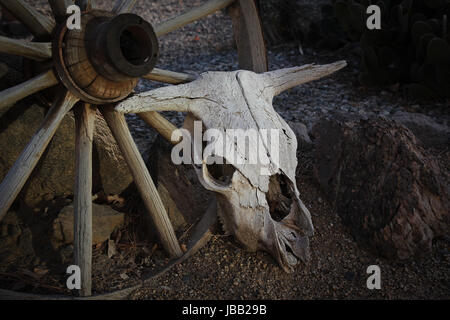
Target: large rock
[(427, 130), (54, 175), (104, 221), (15, 239), (387, 190), (301, 132), (111, 172), (184, 197), (175, 216), (287, 20)]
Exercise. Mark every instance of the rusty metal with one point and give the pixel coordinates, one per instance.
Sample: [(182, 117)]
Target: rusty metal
[(122, 47)]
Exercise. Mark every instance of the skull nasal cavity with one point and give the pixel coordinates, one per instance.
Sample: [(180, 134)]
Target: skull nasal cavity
[(279, 197)]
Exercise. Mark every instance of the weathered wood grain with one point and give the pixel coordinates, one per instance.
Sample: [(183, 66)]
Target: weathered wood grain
[(249, 36), (194, 14), (83, 72), (84, 120), (59, 8), (86, 5), (32, 50), (11, 95), (124, 6)]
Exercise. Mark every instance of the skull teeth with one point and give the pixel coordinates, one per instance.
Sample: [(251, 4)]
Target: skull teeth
[(222, 221)]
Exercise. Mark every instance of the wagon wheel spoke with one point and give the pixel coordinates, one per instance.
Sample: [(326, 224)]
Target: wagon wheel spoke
[(20, 172), (193, 15), (169, 77), (36, 84), (85, 120), (164, 127), (86, 5), (31, 50), (38, 24), (249, 37), (59, 8), (143, 180), (124, 6)]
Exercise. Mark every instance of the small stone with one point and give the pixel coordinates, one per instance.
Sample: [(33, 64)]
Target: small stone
[(40, 271), (104, 221)]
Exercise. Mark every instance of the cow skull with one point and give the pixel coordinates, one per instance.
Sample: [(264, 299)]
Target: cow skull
[(259, 202)]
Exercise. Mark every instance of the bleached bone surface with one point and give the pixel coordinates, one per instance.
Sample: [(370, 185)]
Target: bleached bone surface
[(250, 200)]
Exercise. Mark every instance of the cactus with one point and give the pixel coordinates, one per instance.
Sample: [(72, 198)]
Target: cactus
[(413, 47)]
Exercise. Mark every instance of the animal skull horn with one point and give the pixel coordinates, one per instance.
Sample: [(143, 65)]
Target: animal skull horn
[(262, 211)]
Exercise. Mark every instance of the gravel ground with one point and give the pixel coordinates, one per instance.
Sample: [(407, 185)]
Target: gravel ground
[(222, 270)]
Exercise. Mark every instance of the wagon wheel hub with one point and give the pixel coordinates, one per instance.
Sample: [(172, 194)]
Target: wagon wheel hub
[(102, 62)]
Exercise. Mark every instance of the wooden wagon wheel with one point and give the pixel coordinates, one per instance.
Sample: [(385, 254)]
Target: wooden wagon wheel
[(92, 71)]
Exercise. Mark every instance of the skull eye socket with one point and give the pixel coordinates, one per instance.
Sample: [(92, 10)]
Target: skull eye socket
[(221, 173), (279, 197)]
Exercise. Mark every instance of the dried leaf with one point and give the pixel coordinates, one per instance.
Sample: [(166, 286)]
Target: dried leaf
[(40, 272), (115, 200)]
